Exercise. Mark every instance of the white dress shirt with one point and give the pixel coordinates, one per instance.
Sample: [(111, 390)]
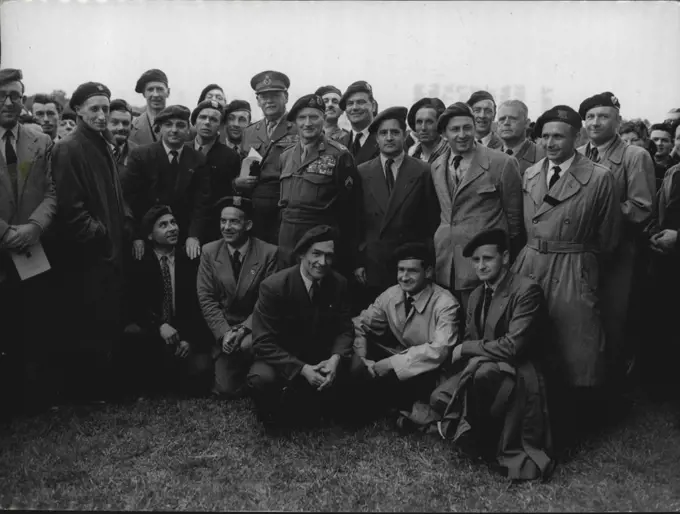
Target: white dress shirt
[(168, 150), (364, 136), (563, 168), (398, 161)]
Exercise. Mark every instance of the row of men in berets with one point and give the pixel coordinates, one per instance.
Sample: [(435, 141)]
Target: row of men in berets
[(443, 272)]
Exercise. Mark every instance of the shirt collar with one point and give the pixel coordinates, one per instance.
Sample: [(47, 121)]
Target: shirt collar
[(364, 135), (242, 250), (275, 123), (493, 287), (206, 146), (14, 130), (398, 160), (422, 294), (168, 150), (565, 165), (170, 256), (515, 149), (307, 281), (487, 138), (603, 148)]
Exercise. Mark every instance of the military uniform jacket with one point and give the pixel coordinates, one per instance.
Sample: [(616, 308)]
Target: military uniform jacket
[(339, 135), (141, 131), (255, 136)]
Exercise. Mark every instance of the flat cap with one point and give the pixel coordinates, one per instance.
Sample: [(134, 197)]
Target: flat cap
[(69, 115), (434, 103), (206, 104), (360, 86), (207, 89), (87, 90), (414, 250), (153, 75), (453, 110), (151, 217), (236, 105), (239, 202), (495, 236), (172, 111), (391, 113), (270, 81), (562, 113), (318, 234), (119, 105), (312, 101), (324, 90), (606, 99), (478, 96), (8, 75)]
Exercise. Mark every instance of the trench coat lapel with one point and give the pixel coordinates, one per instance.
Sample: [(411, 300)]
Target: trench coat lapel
[(251, 263), (402, 189), (440, 169), (378, 187), (478, 166), (568, 185), (499, 302)]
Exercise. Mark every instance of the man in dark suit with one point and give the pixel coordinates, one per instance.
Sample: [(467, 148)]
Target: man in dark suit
[(399, 204), (360, 108), (222, 163), (120, 119), (173, 350), (229, 278), (169, 173), (302, 336)]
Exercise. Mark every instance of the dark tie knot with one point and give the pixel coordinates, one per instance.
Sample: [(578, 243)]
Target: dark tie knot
[(456, 161), (164, 259), (594, 154), (509, 152), (408, 304)]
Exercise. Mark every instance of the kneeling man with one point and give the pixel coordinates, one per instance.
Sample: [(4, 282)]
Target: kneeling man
[(302, 335)]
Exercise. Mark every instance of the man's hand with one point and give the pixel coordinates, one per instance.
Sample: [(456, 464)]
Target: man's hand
[(457, 354), (232, 340), (311, 373), (24, 236), (369, 366), (138, 249), (245, 184), (664, 241), (382, 367), (182, 349), (169, 334), (8, 238), (328, 369), (193, 247), (360, 275)]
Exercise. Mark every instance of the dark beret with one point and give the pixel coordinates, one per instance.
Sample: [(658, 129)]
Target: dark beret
[(239, 202), (478, 96), (606, 99), (120, 105), (69, 115), (313, 101), (666, 127), (434, 103), (391, 113), (318, 234), (207, 89), (172, 111), (419, 251), (562, 113), (270, 81), (236, 105), (360, 86), (151, 217), (324, 90), (8, 75), (453, 110), (495, 236), (206, 104), (85, 91), (153, 75)]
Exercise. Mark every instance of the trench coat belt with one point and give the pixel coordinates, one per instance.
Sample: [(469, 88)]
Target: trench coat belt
[(308, 216), (543, 246)]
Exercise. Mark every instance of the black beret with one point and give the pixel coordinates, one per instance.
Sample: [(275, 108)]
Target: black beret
[(313, 101), (207, 89), (87, 90), (206, 104), (270, 81), (419, 251), (120, 105), (478, 96), (495, 236), (391, 113), (434, 103), (151, 217), (172, 111), (453, 110), (236, 105), (324, 90), (562, 113), (69, 115), (10, 75), (239, 202), (360, 86), (606, 99), (318, 234), (153, 75)]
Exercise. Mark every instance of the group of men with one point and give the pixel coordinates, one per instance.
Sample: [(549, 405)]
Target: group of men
[(421, 262)]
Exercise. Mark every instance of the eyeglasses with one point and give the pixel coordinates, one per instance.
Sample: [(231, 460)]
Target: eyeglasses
[(13, 96)]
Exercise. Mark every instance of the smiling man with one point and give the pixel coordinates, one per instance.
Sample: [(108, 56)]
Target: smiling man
[(237, 114), (360, 108), (153, 85), (483, 107), (120, 121), (331, 99), (513, 118), (422, 118), (661, 134), (47, 110)]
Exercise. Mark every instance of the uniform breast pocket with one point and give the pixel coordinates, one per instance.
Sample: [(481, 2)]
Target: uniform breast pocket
[(488, 191), (316, 188)]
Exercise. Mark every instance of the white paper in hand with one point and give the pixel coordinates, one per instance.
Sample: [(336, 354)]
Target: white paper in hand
[(253, 156), (32, 262)]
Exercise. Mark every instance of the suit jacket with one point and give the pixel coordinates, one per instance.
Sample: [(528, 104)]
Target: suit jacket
[(423, 339), (122, 157), (489, 196), (410, 213), (528, 155), (228, 301), (495, 143), (141, 131), (290, 331), (36, 200), (368, 151), (148, 181)]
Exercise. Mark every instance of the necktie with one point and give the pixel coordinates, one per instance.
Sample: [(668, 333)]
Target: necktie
[(236, 263), (555, 177), (594, 154), (480, 141), (408, 305), (167, 289), (11, 158), (389, 176), (304, 153), (270, 128), (200, 149), (488, 294), (509, 152), (455, 177), (456, 162), (174, 161), (356, 144), (314, 291)]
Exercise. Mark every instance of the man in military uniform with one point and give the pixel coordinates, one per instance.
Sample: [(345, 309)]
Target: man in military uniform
[(361, 109), (331, 99), (269, 137), (237, 115), (484, 108), (513, 118), (319, 183), (153, 85)]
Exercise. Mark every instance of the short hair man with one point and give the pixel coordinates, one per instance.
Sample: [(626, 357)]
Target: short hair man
[(237, 115), (405, 336), (153, 86), (215, 93), (229, 277), (661, 134), (331, 99), (47, 110), (513, 117), (67, 124), (422, 119), (302, 336), (120, 121), (360, 108), (483, 107)]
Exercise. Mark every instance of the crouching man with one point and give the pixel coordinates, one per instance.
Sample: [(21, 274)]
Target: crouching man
[(404, 337), (302, 336)]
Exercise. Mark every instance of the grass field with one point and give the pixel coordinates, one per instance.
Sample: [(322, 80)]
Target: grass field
[(174, 454)]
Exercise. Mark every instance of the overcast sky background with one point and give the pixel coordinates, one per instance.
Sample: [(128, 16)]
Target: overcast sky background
[(545, 53)]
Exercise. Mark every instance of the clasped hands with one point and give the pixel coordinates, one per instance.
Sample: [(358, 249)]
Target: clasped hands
[(232, 339), (321, 375), (20, 237), (171, 337)]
